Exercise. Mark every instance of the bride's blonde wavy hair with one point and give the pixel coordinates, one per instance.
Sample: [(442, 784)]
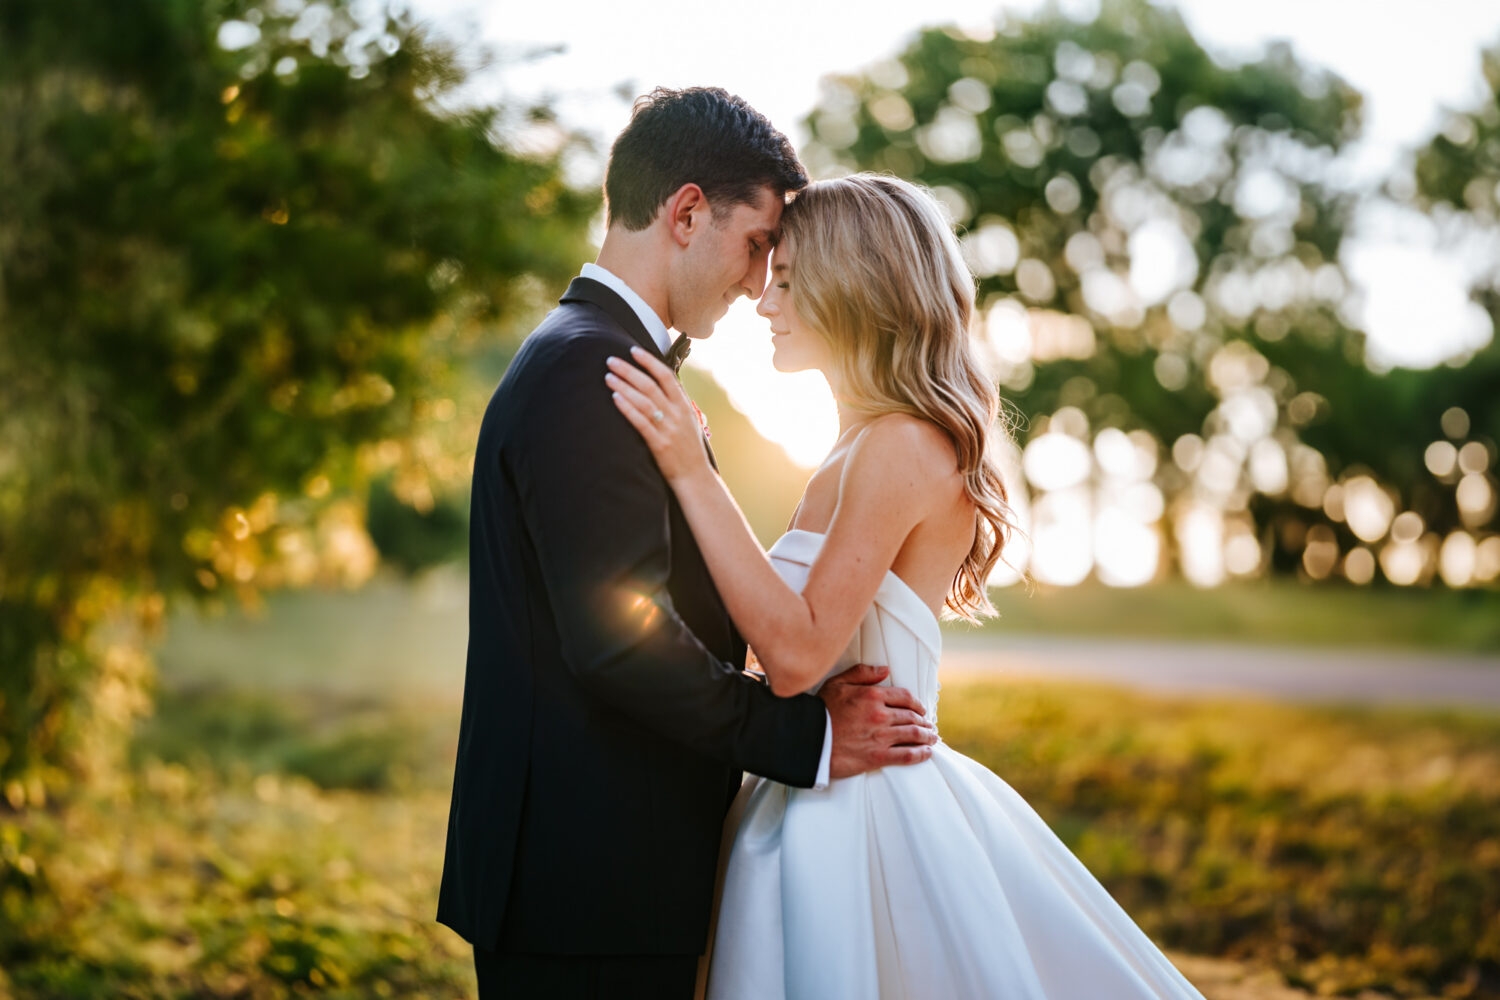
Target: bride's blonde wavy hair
[(876, 269)]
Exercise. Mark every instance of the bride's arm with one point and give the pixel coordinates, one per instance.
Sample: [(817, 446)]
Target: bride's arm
[(884, 492)]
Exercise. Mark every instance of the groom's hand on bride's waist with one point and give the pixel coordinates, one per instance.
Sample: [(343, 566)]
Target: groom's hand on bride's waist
[(874, 725)]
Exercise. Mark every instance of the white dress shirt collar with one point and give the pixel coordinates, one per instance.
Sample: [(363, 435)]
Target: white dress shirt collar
[(649, 319)]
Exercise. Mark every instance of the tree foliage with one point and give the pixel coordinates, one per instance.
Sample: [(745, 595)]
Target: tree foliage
[(1157, 235), (242, 244)]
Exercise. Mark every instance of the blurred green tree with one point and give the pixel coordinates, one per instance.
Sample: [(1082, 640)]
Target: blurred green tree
[(1457, 182), (243, 245), (1157, 238)]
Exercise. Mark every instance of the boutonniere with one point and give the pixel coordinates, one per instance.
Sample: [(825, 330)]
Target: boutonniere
[(702, 420)]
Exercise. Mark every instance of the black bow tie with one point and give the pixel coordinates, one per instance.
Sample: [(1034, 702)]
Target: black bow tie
[(678, 352)]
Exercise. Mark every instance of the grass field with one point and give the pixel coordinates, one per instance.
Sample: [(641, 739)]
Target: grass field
[(1349, 848), (271, 841), (279, 829)]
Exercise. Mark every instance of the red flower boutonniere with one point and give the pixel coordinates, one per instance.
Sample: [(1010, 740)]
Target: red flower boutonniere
[(702, 420)]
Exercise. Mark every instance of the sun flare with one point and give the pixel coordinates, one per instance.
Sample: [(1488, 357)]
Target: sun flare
[(795, 411)]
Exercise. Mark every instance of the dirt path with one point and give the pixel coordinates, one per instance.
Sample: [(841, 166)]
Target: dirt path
[(1216, 669)]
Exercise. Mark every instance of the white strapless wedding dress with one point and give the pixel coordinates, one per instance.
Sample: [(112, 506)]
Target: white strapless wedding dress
[(929, 882)]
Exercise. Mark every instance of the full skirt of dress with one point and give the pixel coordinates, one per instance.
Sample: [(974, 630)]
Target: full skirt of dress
[(930, 881), (934, 881)]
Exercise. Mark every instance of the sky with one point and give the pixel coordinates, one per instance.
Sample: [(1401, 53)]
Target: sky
[(1410, 58)]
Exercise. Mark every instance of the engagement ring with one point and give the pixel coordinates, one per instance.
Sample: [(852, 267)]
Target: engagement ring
[(656, 416)]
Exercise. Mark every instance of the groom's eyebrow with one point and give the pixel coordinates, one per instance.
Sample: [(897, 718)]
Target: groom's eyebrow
[(770, 237)]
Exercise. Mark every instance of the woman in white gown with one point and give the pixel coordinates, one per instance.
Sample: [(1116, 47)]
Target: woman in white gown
[(934, 881)]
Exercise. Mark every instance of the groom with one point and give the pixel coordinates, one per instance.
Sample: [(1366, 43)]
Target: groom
[(606, 720)]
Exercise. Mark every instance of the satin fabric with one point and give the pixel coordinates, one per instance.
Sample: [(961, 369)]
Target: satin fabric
[(930, 881)]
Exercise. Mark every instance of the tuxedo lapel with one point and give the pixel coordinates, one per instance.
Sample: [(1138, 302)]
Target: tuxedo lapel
[(597, 294)]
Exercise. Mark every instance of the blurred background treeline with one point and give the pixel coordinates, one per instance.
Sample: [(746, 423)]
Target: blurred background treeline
[(261, 265)]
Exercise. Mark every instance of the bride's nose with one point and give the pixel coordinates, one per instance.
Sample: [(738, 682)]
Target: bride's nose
[(765, 307)]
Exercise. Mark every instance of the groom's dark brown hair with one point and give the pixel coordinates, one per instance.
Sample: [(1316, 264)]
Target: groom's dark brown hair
[(703, 136)]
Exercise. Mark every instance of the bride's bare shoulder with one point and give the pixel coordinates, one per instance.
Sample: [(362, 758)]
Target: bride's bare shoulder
[(900, 440), (902, 463)]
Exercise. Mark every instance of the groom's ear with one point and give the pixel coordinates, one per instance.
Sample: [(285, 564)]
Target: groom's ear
[(687, 212)]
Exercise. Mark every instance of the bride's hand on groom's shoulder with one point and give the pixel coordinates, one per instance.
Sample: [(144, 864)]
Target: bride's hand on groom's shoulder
[(651, 398), (874, 725)]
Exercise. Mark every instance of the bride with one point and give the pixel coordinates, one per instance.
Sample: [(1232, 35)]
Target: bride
[(930, 881)]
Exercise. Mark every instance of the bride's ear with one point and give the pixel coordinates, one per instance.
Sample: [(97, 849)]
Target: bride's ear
[(686, 213)]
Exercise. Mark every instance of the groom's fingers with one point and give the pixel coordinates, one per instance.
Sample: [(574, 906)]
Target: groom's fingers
[(901, 698), (912, 736), (862, 673), (905, 717), (898, 756)]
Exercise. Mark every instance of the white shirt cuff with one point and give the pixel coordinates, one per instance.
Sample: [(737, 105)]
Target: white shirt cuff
[(826, 761)]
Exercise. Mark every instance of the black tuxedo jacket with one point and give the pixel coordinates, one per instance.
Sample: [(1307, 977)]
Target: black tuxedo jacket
[(605, 717)]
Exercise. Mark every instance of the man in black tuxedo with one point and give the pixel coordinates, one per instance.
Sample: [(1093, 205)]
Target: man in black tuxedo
[(606, 718)]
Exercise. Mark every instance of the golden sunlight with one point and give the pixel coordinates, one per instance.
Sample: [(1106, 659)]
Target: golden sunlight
[(795, 411)]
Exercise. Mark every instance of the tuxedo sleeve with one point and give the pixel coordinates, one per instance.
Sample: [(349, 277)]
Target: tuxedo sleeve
[(596, 509)]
